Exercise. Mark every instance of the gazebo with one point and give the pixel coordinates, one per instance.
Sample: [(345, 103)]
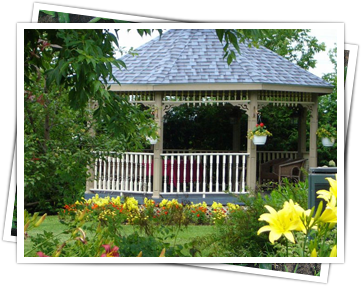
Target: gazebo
[(186, 66)]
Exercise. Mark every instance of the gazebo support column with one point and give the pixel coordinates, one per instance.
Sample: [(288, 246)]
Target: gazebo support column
[(158, 148), (313, 137), (251, 148)]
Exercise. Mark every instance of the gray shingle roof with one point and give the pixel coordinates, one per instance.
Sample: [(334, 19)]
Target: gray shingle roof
[(196, 56)]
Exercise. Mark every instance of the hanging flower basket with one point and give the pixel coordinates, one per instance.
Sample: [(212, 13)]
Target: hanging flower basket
[(259, 134), (152, 141), (259, 140), (327, 134), (328, 142)]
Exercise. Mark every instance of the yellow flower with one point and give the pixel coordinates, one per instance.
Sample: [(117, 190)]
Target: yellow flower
[(298, 215), (314, 253), (330, 213), (280, 223), (327, 195), (334, 251)]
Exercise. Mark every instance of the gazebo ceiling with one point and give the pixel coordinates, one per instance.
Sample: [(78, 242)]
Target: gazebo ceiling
[(192, 59)]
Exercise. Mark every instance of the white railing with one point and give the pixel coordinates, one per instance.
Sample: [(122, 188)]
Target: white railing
[(196, 173), (131, 172), (183, 172)]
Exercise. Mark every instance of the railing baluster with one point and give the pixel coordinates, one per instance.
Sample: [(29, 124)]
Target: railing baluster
[(217, 173), (185, 173), (108, 175), (113, 173), (127, 172), (140, 173), (144, 187), (149, 173), (96, 174), (191, 174), (204, 173), (224, 173), (243, 172), (136, 167), (178, 173), (122, 185), (165, 173), (230, 173), (104, 185), (210, 172), (118, 173), (237, 171), (171, 172), (131, 175), (197, 183)]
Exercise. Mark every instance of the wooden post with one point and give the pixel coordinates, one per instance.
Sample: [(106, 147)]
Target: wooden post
[(251, 148), (158, 148), (313, 129)]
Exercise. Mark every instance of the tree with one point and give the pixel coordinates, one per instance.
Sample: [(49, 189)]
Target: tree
[(296, 45), (327, 111)]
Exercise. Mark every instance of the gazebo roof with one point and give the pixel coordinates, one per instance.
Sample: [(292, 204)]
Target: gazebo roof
[(195, 56)]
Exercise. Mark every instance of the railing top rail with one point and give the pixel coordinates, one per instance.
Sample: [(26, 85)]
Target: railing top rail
[(130, 153), (202, 154), (285, 152)]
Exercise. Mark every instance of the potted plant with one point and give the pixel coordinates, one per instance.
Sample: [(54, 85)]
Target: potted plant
[(153, 136), (259, 134), (327, 134)]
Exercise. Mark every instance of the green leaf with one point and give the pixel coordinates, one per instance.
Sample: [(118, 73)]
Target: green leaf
[(63, 17), (220, 34)]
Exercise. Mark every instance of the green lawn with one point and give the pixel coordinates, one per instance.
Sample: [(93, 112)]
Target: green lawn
[(52, 224)]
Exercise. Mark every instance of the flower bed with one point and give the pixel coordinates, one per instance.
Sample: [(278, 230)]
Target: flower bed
[(199, 213)]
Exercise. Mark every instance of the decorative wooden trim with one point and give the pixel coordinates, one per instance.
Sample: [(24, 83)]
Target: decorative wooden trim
[(321, 90)]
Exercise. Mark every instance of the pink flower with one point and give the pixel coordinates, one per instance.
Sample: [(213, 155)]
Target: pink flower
[(110, 252), (41, 254)]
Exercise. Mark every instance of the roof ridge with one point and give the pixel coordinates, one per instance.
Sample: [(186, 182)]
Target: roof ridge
[(183, 48)]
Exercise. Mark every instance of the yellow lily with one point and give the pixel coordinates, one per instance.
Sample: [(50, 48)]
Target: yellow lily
[(280, 223)]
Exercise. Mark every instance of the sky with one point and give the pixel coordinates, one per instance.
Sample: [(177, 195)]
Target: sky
[(323, 66)]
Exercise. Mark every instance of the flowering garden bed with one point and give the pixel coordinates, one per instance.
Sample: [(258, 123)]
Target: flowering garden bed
[(113, 227)]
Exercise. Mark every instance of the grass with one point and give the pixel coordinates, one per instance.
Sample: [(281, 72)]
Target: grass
[(52, 224)]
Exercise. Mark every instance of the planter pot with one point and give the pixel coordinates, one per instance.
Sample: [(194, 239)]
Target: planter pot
[(328, 142), (152, 141), (259, 140)]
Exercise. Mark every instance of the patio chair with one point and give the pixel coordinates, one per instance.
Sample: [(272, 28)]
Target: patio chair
[(269, 171), (291, 170)]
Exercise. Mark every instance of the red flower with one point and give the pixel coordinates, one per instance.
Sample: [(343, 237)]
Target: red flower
[(197, 215), (41, 254), (257, 125), (110, 252), (261, 124), (166, 213)]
